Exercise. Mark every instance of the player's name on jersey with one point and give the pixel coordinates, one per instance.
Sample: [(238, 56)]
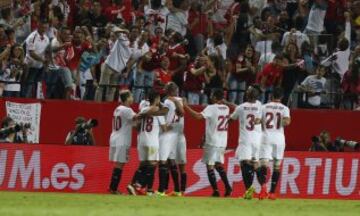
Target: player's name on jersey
[(274, 107), (251, 108)]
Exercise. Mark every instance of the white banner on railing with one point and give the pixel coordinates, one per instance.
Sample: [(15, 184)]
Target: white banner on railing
[(26, 113)]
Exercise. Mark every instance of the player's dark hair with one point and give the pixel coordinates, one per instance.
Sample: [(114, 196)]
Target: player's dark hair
[(170, 88), (252, 94), (152, 95), (6, 121), (343, 44), (124, 96), (218, 94), (277, 93)]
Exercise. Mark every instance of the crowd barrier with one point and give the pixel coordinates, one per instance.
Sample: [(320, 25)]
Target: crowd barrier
[(49, 168), (57, 118)]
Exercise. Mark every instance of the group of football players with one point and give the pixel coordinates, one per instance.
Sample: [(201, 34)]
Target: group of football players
[(161, 142)]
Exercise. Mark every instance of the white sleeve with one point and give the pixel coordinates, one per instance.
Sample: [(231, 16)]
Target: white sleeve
[(207, 112), (129, 114), (30, 43), (161, 120), (259, 113), (283, 42), (348, 37), (286, 112), (306, 80)]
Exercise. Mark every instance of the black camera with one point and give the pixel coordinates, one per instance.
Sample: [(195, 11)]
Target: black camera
[(89, 124), (341, 143), (9, 130)]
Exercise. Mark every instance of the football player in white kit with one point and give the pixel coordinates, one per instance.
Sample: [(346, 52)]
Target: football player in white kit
[(250, 135), (216, 117), (120, 138), (169, 140), (148, 145), (275, 116)]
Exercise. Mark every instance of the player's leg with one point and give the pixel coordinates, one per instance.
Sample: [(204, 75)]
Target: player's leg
[(209, 160), (152, 156), (150, 176), (221, 170), (166, 142), (278, 155), (116, 177), (175, 176), (247, 171), (181, 161), (261, 173), (183, 178), (275, 178), (119, 155), (163, 175), (138, 181), (212, 180)]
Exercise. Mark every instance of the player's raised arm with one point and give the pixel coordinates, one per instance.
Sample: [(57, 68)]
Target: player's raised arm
[(192, 112)]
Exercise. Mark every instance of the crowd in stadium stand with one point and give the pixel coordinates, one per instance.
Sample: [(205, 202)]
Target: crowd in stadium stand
[(87, 50)]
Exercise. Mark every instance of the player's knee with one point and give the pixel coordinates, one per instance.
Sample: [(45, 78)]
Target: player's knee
[(219, 167), (245, 162), (263, 162), (119, 165), (277, 164)]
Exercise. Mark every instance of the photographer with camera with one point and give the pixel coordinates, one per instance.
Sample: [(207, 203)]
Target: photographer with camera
[(323, 143), (9, 131), (82, 135)]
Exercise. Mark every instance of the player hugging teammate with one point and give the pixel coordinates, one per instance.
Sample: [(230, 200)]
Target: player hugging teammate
[(161, 142)]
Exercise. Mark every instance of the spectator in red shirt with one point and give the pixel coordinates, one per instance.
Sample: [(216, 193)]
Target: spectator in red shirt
[(178, 57), (162, 75), (351, 86), (271, 76), (194, 78), (115, 10), (81, 43), (198, 23), (243, 73)]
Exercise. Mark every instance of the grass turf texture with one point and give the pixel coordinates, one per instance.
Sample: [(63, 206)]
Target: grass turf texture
[(14, 203)]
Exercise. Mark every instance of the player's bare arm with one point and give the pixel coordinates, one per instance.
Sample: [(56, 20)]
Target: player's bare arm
[(286, 121), (192, 112), (179, 108), (229, 104)]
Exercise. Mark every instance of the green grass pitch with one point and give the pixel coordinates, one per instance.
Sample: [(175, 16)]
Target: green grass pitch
[(14, 203)]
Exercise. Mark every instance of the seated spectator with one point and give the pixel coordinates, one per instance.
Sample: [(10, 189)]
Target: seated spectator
[(314, 86)]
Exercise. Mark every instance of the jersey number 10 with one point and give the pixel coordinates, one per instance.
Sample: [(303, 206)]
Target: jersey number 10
[(117, 123)]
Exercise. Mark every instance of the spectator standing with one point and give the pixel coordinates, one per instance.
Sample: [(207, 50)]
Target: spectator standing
[(62, 52), (194, 78), (271, 76), (243, 73), (14, 71), (114, 64), (36, 58), (314, 85)]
